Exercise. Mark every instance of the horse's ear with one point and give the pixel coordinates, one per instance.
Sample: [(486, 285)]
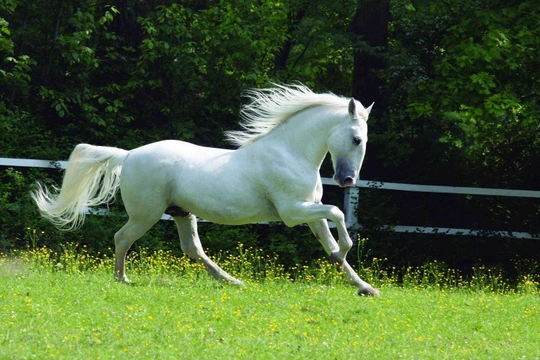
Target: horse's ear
[(352, 108), (368, 109)]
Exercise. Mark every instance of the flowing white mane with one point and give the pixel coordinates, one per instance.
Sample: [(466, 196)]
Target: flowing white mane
[(271, 107)]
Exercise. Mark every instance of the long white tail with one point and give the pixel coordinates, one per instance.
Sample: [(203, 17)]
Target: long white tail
[(92, 177)]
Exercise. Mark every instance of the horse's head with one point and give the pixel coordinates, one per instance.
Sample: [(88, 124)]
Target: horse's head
[(347, 144)]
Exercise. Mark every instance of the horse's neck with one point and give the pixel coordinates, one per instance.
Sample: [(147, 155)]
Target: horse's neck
[(305, 134)]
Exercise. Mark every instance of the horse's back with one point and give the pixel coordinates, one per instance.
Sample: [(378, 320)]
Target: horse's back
[(173, 151)]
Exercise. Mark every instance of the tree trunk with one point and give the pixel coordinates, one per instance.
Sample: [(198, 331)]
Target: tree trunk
[(282, 58), (53, 50), (369, 25)]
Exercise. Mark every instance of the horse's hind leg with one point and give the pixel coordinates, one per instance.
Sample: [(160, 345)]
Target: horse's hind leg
[(123, 239), (323, 234), (191, 245)]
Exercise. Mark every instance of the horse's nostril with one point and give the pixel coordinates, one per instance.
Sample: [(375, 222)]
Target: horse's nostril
[(349, 181)]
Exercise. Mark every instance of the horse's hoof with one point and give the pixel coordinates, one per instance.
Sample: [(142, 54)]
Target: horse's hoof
[(369, 292), (238, 283), (123, 280), (235, 282)]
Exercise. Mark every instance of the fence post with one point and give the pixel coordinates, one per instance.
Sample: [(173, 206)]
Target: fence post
[(350, 202)]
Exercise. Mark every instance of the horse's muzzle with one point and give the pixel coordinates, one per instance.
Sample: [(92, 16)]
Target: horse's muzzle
[(345, 174), (345, 177)]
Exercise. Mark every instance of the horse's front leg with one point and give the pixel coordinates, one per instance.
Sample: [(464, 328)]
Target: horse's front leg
[(307, 212), (315, 215), (322, 233)]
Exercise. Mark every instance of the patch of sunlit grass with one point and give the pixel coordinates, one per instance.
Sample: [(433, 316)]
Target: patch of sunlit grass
[(66, 305)]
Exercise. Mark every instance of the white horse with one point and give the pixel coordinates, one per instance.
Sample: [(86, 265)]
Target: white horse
[(272, 176)]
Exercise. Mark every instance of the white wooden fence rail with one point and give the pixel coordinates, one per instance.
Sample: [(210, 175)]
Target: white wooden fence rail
[(352, 194)]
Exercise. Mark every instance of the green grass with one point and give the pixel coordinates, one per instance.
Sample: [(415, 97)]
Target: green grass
[(67, 306)]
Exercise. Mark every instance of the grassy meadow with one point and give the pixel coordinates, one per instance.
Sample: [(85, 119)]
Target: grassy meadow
[(66, 305)]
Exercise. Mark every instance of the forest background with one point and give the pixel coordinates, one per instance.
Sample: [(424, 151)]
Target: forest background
[(455, 85)]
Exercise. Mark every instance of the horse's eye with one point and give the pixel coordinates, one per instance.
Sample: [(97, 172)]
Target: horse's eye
[(357, 140)]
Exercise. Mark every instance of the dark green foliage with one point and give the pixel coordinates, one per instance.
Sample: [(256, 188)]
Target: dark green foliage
[(463, 79), (455, 84)]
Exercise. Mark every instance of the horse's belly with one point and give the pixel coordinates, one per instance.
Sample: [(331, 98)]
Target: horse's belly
[(219, 216), (221, 209)]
